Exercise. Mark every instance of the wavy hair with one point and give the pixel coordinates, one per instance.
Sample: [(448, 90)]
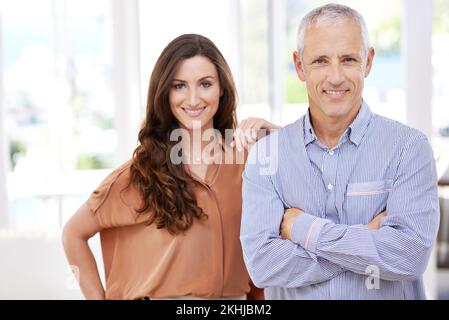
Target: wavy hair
[(166, 189)]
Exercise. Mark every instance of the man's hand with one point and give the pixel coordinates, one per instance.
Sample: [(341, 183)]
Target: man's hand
[(287, 222), (250, 130), (375, 223)]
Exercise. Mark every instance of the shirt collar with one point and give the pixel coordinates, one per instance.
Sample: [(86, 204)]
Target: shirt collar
[(355, 131), (358, 127), (309, 133)]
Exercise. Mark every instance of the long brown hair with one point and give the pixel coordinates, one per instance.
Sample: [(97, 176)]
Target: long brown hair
[(167, 189)]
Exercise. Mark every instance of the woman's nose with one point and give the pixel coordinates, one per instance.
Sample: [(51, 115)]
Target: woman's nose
[(193, 99)]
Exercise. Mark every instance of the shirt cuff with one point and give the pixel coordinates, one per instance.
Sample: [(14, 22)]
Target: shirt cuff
[(306, 230)]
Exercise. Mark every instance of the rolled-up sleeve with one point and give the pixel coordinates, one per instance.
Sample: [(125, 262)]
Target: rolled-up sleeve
[(306, 229), (114, 201)]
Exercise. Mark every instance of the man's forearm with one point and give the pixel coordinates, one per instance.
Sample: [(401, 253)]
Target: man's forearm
[(398, 254)]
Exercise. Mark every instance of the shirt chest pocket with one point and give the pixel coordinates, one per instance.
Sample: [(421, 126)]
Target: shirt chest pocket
[(364, 200)]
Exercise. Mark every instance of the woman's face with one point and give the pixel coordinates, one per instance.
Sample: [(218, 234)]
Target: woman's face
[(195, 93)]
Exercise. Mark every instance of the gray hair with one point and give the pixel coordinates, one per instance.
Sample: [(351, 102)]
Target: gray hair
[(332, 12)]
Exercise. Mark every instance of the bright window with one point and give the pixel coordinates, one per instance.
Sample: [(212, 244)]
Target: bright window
[(59, 112)]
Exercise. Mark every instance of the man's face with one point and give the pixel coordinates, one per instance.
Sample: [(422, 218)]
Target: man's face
[(334, 69)]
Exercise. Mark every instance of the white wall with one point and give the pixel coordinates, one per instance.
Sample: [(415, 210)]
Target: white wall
[(33, 266), (126, 76), (417, 48), (3, 145)]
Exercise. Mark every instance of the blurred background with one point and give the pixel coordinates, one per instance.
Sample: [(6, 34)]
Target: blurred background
[(73, 82)]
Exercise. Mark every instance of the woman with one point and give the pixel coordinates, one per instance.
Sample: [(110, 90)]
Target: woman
[(170, 229)]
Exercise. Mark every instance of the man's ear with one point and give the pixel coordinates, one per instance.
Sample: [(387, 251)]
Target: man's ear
[(299, 66), (369, 61)]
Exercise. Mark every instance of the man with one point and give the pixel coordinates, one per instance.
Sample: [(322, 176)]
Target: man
[(316, 228)]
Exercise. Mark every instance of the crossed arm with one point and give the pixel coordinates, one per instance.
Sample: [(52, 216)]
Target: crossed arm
[(319, 249)]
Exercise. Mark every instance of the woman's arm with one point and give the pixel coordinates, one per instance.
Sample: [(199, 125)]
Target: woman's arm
[(255, 293), (76, 233)]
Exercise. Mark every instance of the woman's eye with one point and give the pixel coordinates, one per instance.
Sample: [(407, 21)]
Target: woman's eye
[(206, 84), (178, 86)]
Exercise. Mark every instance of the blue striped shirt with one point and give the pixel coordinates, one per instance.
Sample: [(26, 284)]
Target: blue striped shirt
[(378, 164)]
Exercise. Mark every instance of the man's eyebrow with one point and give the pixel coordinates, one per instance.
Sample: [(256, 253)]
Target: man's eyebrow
[(319, 57), (351, 55)]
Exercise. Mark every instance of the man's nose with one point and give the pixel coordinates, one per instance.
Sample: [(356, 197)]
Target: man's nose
[(335, 75)]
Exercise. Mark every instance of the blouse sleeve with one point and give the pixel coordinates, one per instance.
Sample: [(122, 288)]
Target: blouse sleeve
[(115, 201)]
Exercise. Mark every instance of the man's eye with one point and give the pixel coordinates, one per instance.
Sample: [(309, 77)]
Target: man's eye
[(319, 61), (349, 60)]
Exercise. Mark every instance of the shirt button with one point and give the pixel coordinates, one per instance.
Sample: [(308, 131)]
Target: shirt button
[(330, 187), (331, 152)]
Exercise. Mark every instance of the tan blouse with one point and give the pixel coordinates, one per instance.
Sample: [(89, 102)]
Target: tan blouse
[(143, 261)]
